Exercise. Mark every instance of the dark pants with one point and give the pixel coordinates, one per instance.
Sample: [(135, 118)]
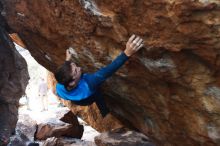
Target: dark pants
[(98, 99)]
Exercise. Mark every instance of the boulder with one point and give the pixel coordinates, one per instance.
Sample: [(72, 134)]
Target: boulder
[(27, 126), (122, 137), (19, 139), (66, 142), (63, 125), (169, 90), (13, 81)]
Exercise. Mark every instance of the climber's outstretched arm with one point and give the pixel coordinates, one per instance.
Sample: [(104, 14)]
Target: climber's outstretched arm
[(133, 45)]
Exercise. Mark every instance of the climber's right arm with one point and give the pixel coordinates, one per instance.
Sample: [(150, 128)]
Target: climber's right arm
[(133, 45)]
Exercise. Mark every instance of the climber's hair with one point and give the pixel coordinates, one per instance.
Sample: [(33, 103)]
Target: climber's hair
[(63, 75)]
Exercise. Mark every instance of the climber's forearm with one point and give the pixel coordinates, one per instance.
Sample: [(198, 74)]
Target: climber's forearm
[(96, 79), (110, 69)]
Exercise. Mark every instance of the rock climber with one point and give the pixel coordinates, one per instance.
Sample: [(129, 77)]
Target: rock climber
[(83, 88)]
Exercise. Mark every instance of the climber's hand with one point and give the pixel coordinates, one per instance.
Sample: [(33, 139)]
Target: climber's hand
[(68, 55), (133, 45)]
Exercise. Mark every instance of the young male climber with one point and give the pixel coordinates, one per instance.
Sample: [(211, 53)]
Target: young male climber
[(83, 88)]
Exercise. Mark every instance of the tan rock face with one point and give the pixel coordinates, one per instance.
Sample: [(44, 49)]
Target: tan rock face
[(46, 130), (92, 116), (169, 91), (62, 125)]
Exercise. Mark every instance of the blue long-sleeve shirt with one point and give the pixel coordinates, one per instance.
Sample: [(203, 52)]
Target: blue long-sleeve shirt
[(89, 82)]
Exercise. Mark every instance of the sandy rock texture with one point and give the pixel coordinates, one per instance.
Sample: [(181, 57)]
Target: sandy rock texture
[(169, 90)]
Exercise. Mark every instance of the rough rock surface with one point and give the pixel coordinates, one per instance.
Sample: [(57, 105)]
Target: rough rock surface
[(170, 90), (27, 126), (66, 142), (13, 81), (24, 131), (67, 126), (122, 137), (19, 139), (57, 129)]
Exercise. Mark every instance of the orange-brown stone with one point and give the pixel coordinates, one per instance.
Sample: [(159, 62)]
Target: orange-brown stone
[(169, 90)]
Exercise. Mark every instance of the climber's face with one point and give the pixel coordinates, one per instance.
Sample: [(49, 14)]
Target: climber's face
[(76, 74)]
